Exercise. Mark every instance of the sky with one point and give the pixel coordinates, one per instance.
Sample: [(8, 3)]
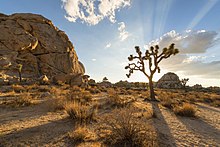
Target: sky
[(105, 32)]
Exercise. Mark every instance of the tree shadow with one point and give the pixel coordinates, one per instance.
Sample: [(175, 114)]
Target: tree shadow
[(39, 135), (201, 127), (208, 108), (165, 137)]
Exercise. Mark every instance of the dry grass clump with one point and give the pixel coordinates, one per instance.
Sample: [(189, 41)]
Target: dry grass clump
[(18, 88), (24, 99), (44, 88), (58, 99), (168, 99), (32, 87), (102, 89), (144, 94), (79, 95), (116, 100), (82, 134), (186, 110), (93, 90), (63, 96), (56, 104), (83, 114), (167, 102), (216, 103), (122, 128)]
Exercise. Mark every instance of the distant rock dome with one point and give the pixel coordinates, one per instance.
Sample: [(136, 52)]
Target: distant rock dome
[(169, 81)]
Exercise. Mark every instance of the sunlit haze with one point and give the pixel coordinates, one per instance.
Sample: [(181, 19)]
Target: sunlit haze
[(104, 34)]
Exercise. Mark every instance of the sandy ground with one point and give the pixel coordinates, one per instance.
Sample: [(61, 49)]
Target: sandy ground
[(182, 131), (33, 125), (36, 126)]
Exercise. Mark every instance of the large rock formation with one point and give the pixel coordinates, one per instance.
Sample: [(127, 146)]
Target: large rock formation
[(169, 80), (35, 43)]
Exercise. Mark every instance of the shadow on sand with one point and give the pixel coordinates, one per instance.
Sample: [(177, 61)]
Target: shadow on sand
[(39, 135), (208, 108), (165, 137), (22, 113), (202, 128)]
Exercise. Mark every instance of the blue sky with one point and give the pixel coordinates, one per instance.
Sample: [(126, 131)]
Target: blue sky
[(104, 33)]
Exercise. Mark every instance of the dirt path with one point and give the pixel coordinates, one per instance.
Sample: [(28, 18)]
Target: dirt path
[(182, 131), (36, 126), (33, 125)]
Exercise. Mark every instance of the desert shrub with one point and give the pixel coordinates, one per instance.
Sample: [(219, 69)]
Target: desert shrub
[(144, 95), (208, 100), (56, 104), (122, 128), (102, 89), (131, 92), (122, 91), (93, 90), (216, 103), (118, 101), (24, 99), (191, 98), (81, 134), (32, 87), (18, 88), (61, 97), (167, 102), (58, 100), (187, 110), (83, 114), (44, 88), (79, 95)]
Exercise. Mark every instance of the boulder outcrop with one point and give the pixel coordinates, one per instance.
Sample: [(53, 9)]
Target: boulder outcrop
[(35, 43), (169, 81)]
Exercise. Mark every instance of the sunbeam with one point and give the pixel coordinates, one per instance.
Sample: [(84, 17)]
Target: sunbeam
[(162, 11), (203, 11), (147, 22)]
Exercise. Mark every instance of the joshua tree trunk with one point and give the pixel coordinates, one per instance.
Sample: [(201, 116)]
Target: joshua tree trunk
[(151, 86), (20, 76), (152, 95)]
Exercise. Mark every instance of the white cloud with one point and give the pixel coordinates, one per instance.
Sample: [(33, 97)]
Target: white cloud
[(93, 59), (192, 59), (108, 45), (93, 11), (187, 42), (123, 34)]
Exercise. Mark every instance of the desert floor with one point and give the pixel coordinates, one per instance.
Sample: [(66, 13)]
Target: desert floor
[(36, 125)]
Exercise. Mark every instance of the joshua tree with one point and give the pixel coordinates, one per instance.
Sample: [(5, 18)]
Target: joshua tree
[(153, 58), (184, 81), (19, 71), (105, 79)]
